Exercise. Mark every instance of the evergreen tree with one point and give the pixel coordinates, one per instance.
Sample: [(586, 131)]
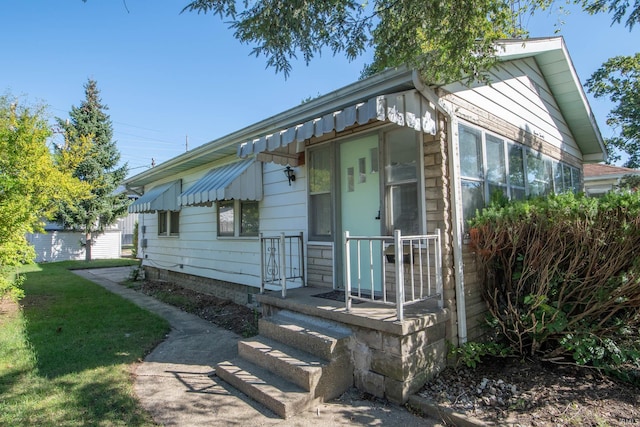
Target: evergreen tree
[(89, 131)]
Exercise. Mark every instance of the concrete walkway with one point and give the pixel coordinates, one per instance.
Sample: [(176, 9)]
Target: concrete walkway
[(177, 385)]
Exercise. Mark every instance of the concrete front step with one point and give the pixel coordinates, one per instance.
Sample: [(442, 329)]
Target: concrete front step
[(296, 366), (319, 337), (281, 396), (297, 360)]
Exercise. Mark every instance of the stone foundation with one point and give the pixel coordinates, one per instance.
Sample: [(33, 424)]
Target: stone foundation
[(394, 366), (391, 359)]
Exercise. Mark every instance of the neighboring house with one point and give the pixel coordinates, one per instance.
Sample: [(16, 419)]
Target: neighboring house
[(58, 244), (599, 179), (127, 223), (386, 153)]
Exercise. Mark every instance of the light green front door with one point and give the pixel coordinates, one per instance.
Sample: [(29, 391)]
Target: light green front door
[(360, 208)]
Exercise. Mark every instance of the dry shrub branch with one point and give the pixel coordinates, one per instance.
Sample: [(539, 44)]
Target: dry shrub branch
[(562, 276)]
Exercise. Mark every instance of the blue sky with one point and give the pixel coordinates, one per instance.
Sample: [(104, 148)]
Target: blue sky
[(169, 78)]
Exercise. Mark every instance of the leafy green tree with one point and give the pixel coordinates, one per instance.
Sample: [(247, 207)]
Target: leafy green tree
[(619, 79), (31, 185), (629, 182), (446, 40), (89, 134), (458, 34)]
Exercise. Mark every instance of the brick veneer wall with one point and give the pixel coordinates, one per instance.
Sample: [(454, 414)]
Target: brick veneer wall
[(320, 265)]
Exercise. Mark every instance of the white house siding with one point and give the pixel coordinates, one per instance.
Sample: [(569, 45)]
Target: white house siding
[(520, 96), (66, 245), (198, 251), (127, 225)]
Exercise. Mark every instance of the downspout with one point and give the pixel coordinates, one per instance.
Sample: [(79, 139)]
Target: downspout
[(454, 168)]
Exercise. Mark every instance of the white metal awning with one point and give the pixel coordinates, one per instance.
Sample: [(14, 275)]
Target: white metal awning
[(407, 108), (240, 180), (163, 197)]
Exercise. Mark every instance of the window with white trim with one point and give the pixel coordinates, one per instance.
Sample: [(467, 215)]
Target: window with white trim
[(168, 223), (238, 218), (491, 165)]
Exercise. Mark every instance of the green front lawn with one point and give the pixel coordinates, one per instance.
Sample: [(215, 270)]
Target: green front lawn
[(66, 355)]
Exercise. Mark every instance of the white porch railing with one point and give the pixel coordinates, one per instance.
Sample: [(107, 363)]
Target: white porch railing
[(418, 269), (281, 259)]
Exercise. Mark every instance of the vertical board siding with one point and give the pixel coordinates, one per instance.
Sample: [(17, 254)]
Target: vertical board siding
[(66, 245)]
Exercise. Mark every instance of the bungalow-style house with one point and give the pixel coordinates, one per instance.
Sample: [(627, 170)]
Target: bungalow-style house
[(345, 219), (599, 179)]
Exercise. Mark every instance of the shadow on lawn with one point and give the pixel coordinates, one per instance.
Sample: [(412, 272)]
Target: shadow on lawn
[(74, 325)]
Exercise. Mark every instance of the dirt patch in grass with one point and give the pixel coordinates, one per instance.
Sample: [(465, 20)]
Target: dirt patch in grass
[(237, 318), (8, 309), (535, 393)]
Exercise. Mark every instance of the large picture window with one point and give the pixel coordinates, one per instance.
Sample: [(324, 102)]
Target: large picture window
[(491, 166), (238, 218), (168, 223)]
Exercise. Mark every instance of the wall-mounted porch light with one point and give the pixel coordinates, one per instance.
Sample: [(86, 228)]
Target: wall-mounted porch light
[(290, 174)]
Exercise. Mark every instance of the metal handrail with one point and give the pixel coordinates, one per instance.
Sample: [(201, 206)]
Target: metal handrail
[(281, 259), (406, 249)]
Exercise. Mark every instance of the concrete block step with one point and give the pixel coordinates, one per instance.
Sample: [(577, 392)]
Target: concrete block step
[(319, 337), (297, 366), (282, 397)]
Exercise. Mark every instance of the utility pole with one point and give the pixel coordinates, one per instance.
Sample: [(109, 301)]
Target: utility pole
[(186, 143)]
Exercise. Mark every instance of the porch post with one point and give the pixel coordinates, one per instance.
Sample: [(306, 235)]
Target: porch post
[(397, 241), (301, 252), (261, 263), (347, 269), (283, 262)]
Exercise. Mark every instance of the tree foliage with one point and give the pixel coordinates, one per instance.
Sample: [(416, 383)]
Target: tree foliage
[(31, 184), (92, 156), (562, 276), (619, 80), (446, 40)]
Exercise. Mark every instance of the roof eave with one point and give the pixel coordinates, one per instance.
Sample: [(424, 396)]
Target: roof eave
[(389, 80), (551, 52)]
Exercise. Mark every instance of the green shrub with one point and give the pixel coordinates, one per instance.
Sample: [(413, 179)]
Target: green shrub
[(562, 276)]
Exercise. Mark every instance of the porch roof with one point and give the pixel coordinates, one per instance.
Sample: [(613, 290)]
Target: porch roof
[(240, 180), (163, 197), (407, 108)]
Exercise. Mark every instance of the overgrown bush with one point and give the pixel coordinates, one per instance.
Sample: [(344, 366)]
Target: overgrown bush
[(562, 276)]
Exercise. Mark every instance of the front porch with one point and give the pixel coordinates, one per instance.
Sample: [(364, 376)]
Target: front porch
[(395, 334), (389, 358)]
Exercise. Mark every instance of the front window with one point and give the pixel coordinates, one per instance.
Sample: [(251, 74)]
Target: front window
[(238, 218), (226, 216), (168, 223), (249, 218), (401, 181), (491, 166)]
